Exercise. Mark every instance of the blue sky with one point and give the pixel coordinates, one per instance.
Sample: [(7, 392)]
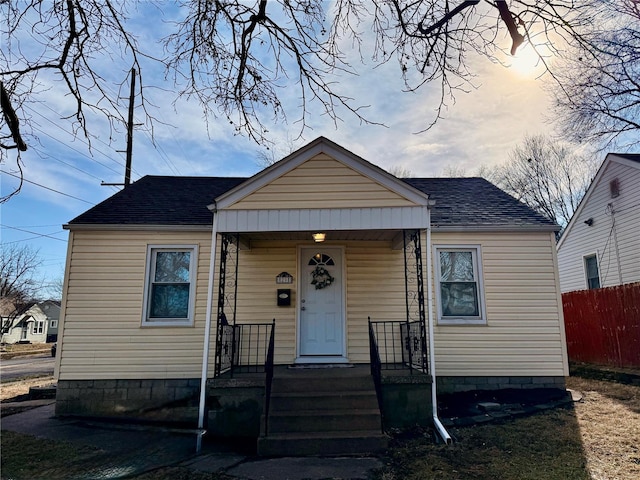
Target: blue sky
[(480, 128)]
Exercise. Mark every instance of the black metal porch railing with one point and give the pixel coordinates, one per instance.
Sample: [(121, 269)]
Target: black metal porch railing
[(400, 345), (268, 368), (376, 365), (244, 348)]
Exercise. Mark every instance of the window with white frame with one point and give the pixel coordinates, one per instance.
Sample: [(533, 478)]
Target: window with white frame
[(54, 324), (38, 327), (170, 285), (591, 271), (459, 285)]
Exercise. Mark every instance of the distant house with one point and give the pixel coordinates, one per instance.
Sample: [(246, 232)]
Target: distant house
[(173, 284), (34, 323), (601, 244)]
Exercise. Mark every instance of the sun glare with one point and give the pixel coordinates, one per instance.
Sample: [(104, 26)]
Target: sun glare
[(526, 63)]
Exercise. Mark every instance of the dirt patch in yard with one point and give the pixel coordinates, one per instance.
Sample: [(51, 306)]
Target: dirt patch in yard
[(13, 350), (11, 390)]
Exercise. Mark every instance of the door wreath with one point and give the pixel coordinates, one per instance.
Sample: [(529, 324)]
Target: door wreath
[(321, 278)]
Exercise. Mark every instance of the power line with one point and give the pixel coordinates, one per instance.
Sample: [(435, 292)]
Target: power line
[(42, 155), (79, 139), (156, 146), (76, 150), (40, 226), (47, 188), (35, 233)]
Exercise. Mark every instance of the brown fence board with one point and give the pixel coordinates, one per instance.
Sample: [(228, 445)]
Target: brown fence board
[(603, 325)]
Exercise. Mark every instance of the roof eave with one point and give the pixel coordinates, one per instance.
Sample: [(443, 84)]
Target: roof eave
[(206, 228), (495, 228), (137, 226)]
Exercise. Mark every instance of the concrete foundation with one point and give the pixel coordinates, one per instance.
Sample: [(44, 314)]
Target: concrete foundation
[(464, 384), (168, 400), (236, 405)]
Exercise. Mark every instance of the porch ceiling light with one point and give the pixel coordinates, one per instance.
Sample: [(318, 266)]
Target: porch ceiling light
[(319, 237)]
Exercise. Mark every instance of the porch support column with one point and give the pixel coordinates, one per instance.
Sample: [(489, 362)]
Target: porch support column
[(415, 337), (207, 334)]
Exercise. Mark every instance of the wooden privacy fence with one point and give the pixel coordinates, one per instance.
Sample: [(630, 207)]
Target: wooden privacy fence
[(603, 325)]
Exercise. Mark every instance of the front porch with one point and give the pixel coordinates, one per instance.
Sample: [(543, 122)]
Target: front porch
[(320, 265), (309, 409), (318, 409), (328, 393)]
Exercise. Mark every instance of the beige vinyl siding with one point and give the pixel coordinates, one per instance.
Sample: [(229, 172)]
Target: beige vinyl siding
[(375, 287), (321, 182), (103, 337), (601, 238), (524, 334), (257, 290)]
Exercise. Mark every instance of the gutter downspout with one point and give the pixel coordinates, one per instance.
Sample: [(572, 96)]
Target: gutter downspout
[(432, 356), (207, 333)]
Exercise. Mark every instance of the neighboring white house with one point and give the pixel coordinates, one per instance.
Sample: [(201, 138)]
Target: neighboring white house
[(601, 244), (38, 323)]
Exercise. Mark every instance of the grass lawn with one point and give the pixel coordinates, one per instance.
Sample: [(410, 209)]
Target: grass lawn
[(599, 438)]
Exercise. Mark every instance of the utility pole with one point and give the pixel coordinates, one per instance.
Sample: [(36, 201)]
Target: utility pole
[(127, 170), (129, 151)]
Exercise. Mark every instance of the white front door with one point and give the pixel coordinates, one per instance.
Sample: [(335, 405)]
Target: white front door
[(322, 325)]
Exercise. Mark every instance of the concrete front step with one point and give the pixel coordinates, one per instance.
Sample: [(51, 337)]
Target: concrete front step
[(318, 443), (324, 421), (306, 383), (335, 400), (323, 412)]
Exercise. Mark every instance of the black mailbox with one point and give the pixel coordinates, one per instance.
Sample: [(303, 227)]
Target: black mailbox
[(284, 297)]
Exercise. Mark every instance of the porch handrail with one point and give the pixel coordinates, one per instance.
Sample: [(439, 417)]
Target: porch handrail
[(376, 366), (243, 347), (268, 368)]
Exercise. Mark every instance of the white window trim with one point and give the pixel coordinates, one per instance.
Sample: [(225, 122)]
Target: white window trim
[(170, 322), (476, 252), (584, 269), (53, 324)]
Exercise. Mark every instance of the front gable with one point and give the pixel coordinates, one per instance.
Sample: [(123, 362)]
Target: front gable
[(322, 186), (322, 182)]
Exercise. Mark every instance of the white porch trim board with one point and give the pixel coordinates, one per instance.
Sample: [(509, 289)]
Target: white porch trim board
[(242, 221)]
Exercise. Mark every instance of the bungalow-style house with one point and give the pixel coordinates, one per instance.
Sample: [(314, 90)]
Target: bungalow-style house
[(335, 295), (601, 246), (32, 322)]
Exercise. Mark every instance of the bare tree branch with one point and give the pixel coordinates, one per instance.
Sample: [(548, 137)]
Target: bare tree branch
[(600, 99), (547, 175), (240, 59)]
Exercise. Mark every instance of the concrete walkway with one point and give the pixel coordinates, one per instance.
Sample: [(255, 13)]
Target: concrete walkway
[(133, 450)]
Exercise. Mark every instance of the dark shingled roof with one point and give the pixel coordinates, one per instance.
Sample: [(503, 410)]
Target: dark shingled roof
[(156, 200), (475, 202)]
